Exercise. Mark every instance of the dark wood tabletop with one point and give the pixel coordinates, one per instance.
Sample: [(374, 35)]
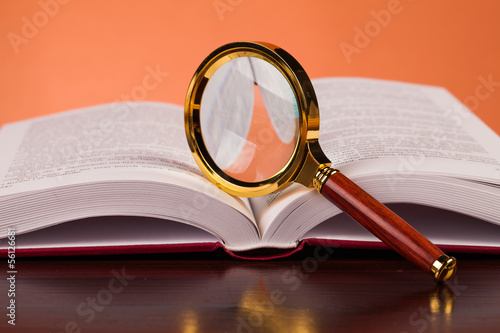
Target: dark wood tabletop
[(316, 290)]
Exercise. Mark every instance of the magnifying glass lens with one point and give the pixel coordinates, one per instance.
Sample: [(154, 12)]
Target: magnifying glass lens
[(249, 119)]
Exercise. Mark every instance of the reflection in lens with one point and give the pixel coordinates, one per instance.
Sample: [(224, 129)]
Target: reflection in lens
[(249, 119)]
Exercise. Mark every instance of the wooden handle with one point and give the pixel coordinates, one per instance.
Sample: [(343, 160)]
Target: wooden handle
[(387, 226)]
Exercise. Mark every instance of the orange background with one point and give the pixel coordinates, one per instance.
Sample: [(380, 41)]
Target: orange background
[(91, 52)]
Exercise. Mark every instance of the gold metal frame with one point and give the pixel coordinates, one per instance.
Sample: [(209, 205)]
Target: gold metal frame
[(307, 157)]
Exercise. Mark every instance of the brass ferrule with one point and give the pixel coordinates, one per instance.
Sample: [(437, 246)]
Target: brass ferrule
[(322, 174), (444, 268)]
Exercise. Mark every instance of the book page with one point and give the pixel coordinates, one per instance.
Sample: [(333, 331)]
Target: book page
[(68, 147), (92, 155), (422, 128), (392, 131)]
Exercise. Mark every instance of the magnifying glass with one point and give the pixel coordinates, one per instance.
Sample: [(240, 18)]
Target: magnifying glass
[(252, 123)]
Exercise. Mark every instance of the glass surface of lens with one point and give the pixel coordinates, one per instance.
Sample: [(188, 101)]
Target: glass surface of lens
[(249, 119)]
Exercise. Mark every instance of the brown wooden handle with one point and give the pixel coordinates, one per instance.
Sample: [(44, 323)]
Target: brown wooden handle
[(381, 221)]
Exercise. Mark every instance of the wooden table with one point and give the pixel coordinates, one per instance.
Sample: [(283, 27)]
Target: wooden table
[(313, 291)]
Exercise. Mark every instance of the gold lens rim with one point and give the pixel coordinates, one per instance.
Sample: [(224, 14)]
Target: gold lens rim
[(308, 117)]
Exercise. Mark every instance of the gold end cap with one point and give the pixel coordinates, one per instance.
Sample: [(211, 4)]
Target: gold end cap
[(444, 268)]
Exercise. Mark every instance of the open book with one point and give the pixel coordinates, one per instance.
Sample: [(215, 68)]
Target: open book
[(120, 178)]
